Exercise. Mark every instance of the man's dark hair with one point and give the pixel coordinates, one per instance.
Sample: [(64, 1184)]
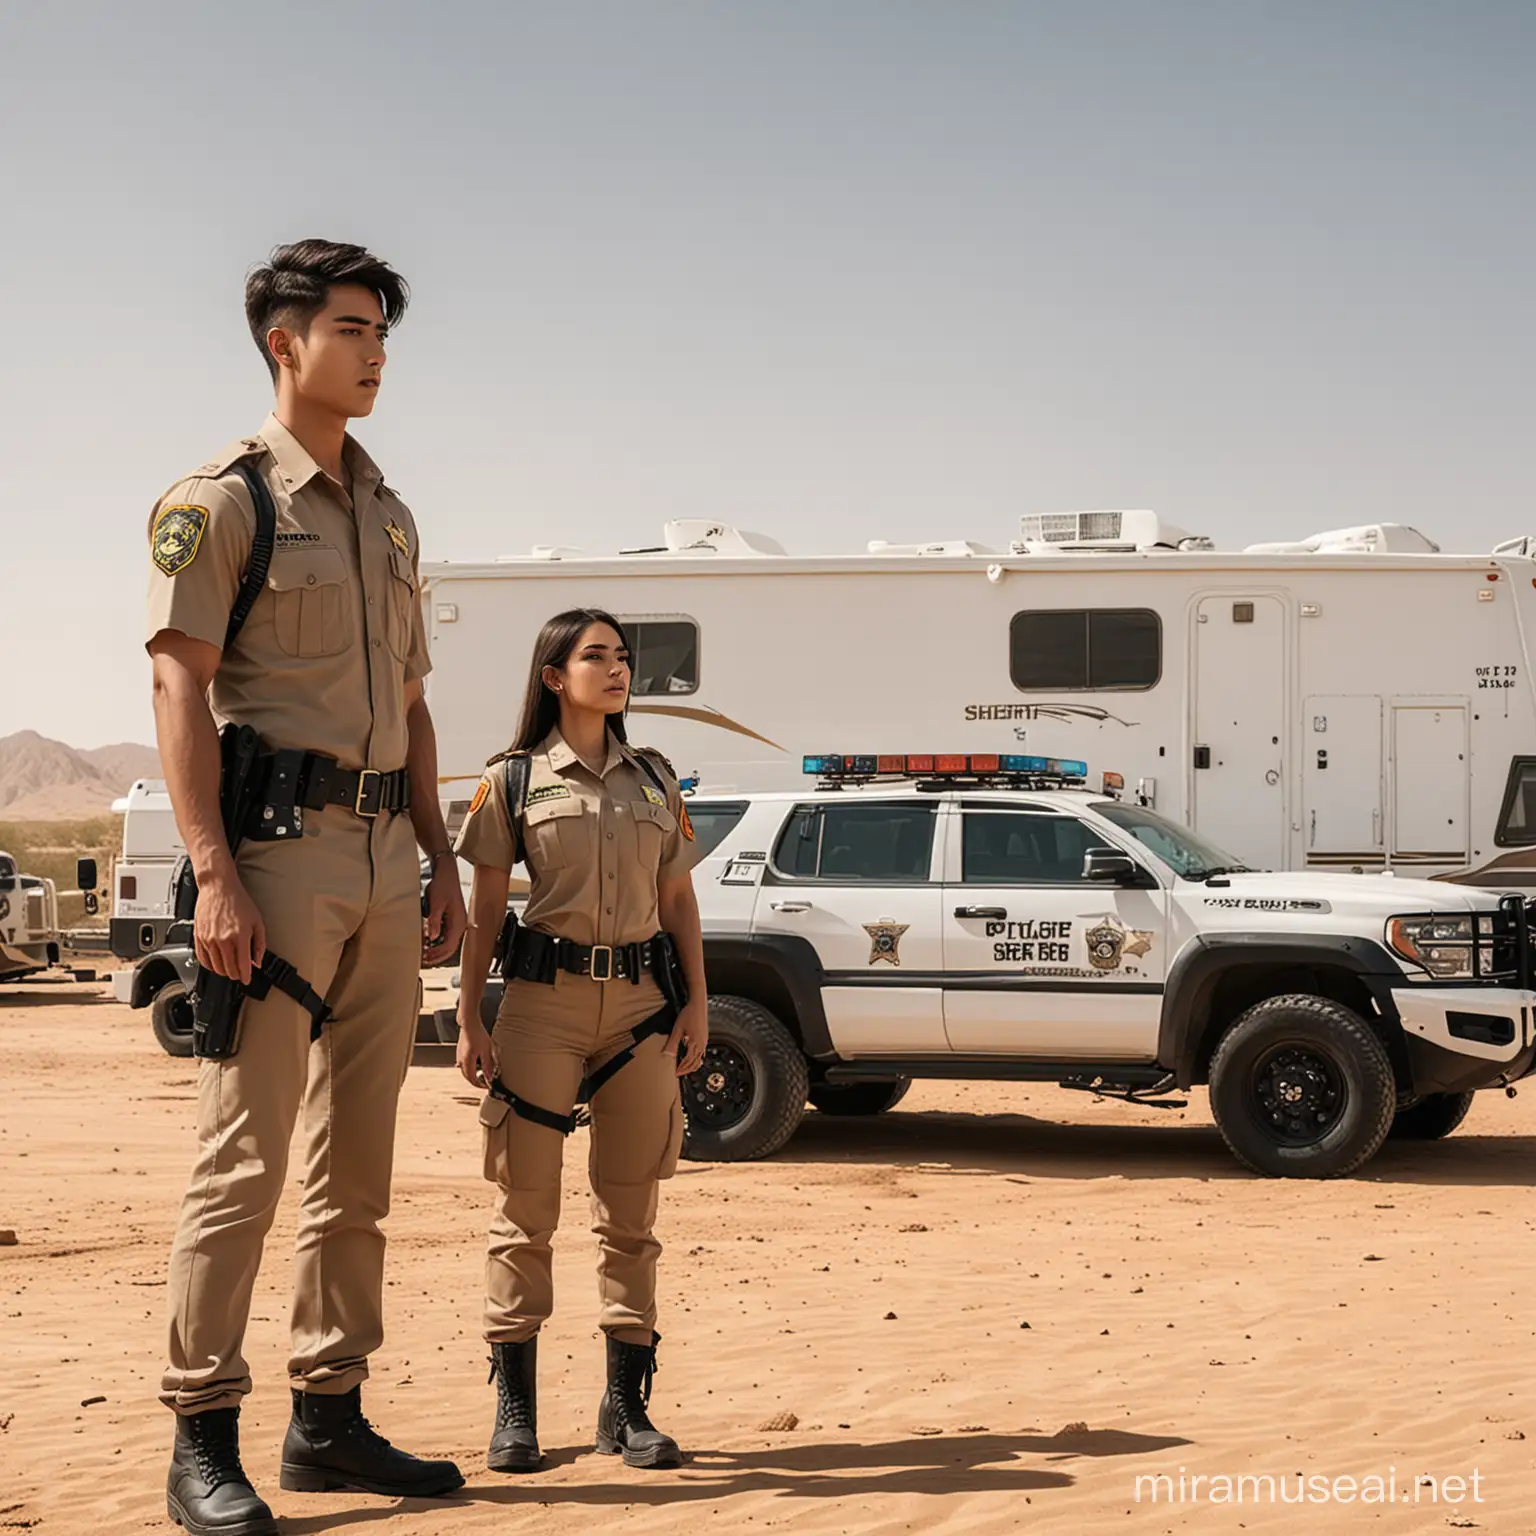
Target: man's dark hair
[(296, 280)]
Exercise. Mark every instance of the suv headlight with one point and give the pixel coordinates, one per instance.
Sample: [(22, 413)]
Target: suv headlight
[(1441, 945)]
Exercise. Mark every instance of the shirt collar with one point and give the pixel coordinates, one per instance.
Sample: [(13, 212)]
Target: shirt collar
[(562, 754), (297, 466)]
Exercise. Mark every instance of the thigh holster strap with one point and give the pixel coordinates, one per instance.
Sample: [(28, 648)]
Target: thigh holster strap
[(565, 1124), (274, 971)]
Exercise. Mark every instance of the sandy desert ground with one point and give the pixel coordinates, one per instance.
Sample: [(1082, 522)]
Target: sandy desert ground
[(874, 1280)]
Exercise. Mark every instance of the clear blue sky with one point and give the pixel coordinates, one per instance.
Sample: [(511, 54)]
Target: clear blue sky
[(838, 271)]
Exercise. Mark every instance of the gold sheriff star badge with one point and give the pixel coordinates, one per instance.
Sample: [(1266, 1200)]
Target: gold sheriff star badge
[(885, 941)]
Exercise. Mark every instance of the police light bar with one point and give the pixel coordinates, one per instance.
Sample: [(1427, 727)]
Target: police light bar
[(842, 767)]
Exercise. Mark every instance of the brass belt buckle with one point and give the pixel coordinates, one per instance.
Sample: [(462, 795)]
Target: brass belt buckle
[(362, 791), (606, 951)]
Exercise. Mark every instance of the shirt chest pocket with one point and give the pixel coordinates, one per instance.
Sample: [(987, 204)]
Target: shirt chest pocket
[(653, 825), (401, 601), (556, 832), (310, 609)]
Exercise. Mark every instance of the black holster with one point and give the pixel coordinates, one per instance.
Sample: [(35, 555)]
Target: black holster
[(217, 1001), (669, 975)]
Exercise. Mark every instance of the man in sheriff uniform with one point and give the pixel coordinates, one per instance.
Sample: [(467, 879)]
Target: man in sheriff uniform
[(328, 666)]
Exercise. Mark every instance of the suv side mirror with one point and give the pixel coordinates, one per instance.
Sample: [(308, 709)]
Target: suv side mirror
[(1108, 866), (85, 874)]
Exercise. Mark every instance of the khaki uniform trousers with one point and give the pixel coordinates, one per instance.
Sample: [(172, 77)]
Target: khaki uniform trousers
[(343, 906), (548, 1038)]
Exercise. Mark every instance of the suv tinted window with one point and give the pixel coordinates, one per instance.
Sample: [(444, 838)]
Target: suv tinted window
[(1024, 848), (1084, 649), (883, 844), (712, 820)]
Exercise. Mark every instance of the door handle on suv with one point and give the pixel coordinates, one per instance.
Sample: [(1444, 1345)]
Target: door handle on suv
[(981, 911), (790, 906)]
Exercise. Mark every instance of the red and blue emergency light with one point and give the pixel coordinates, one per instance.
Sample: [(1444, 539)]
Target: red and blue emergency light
[(844, 767)]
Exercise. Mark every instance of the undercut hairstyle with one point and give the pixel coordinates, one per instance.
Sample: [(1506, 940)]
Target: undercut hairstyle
[(292, 287)]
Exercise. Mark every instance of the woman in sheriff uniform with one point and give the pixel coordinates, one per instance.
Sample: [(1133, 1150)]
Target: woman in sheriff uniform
[(610, 927)]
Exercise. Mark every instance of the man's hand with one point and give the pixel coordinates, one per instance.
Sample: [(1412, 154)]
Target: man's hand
[(228, 932), (689, 1038), (476, 1055), (444, 924)]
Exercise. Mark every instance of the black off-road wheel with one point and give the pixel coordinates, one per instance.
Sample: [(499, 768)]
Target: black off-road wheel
[(859, 1098), (1434, 1116), (1302, 1088), (170, 1016), (748, 1097)]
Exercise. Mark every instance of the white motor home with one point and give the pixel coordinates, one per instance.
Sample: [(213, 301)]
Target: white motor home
[(141, 877), (1354, 701)]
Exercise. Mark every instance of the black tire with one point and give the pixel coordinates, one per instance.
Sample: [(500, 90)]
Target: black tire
[(1301, 1088), (170, 1016), (859, 1098), (1434, 1116), (446, 1022), (748, 1098)]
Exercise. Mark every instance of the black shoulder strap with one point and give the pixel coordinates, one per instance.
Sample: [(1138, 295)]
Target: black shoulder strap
[(652, 772), (514, 778), (261, 549)]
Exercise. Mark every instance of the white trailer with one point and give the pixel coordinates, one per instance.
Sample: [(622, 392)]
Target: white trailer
[(141, 876), (29, 922), (1357, 701)]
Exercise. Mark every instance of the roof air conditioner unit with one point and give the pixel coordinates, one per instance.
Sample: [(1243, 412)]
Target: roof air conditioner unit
[(1044, 533), (1368, 539)]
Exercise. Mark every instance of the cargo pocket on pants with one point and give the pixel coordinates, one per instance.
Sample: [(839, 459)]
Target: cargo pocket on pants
[(494, 1130), (674, 1141)]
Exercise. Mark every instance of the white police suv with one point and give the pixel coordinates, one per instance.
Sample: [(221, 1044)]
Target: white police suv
[(989, 917)]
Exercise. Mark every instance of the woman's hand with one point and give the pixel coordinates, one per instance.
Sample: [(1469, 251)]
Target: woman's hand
[(476, 1055), (690, 1038)]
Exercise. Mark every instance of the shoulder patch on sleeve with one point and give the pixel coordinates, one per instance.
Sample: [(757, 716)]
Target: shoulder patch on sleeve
[(684, 823), (174, 540), (482, 789)]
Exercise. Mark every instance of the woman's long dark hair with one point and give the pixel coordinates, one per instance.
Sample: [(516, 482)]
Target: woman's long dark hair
[(541, 706)]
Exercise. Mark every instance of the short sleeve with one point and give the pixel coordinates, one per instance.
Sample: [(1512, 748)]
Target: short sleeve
[(199, 542), (486, 836), (679, 852)]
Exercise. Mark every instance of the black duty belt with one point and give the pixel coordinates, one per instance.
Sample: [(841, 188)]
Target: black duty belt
[(292, 782), (659, 1023), (539, 956)]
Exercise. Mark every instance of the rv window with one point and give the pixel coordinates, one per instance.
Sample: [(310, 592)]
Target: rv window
[(711, 821), (1517, 819), (1081, 650), (664, 657), (1024, 848), (886, 844)]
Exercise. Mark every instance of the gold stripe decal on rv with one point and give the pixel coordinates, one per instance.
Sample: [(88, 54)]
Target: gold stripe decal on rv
[(705, 716)]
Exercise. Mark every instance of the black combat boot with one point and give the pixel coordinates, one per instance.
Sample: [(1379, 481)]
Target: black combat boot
[(330, 1447), (622, 1424), (515, 1440), (207, 1491)]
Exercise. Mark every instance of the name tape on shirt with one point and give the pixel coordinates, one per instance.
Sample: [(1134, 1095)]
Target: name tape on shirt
[(177, 533), (548, 792)]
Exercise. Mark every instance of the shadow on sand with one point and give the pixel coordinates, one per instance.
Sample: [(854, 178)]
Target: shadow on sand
[(934, 1465)]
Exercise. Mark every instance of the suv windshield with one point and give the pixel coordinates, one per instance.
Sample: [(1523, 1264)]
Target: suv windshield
[(1184, 852)]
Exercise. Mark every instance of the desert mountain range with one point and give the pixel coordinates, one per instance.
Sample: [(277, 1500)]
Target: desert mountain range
[(44, 780)]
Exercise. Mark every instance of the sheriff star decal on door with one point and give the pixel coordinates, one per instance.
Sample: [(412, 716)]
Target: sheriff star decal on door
[(885, 941)]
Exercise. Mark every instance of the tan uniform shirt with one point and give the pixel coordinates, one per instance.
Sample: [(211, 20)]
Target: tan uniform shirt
[(337, 631), (598, 845)]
